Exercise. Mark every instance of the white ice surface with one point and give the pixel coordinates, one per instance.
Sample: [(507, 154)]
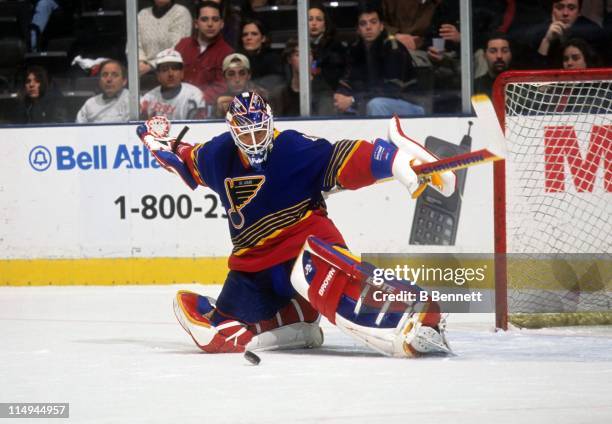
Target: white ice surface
[(118, 356)]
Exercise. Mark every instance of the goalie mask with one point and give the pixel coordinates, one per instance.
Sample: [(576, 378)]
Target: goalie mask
[(250, 120)]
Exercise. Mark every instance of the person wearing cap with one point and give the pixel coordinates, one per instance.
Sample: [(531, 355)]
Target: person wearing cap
[(203, 53), (173, 98), (237, 75)]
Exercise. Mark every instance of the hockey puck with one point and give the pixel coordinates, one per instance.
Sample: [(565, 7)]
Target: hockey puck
[(252, 358)]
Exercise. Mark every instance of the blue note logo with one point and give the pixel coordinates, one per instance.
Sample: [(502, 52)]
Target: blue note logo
[(40, 158), (240, 191)]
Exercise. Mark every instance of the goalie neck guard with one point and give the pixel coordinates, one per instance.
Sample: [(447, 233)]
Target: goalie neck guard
[(250, 120)]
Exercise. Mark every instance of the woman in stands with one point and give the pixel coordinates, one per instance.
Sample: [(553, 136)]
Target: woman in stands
[(328, 53), (266, 65), (39, 103), (578, 54)]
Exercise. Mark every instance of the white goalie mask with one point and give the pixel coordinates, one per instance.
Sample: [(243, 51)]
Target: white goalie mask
[(251, 124)]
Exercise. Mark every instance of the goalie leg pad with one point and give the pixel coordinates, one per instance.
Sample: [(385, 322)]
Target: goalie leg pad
[(338, 285), (293, 336), (294, 326)]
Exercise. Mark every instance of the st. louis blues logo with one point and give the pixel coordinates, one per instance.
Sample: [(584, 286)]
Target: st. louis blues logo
[(240, 191)]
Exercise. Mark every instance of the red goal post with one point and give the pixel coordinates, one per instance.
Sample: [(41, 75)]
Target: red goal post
[(553, 197)]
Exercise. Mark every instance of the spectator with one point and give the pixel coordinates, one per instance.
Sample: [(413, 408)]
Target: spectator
[(203, 53), (266, 66), (160, 27), (231, 23), (321, 93), (327, 52), (379, 73), (41, 16), (409, 20), (488, 17), (173, 98), (39, 103), (577, 54), (527, 14), (112, 104), (566, 22), (446, 66), (499, 56), (237, 74)]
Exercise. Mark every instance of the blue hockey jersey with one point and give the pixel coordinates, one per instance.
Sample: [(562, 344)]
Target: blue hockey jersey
[(271, 212)]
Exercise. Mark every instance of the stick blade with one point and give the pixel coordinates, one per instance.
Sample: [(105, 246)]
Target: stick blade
[(488, 137), (488, 126)]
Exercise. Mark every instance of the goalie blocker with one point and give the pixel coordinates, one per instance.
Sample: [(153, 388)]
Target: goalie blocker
[(339, 287)]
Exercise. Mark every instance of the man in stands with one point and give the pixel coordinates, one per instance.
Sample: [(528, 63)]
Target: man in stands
[(566, 22), (203, 53), (112, 104), (173, 98), (499, 56), (237, 75), (380, 73)]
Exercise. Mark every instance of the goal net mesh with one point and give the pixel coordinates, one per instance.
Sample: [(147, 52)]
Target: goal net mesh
[(559, 201)]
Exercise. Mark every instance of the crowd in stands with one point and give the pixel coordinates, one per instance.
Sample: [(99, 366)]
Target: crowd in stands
[(65, 61)]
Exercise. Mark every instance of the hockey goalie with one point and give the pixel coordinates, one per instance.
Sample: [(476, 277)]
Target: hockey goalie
[(290, 264)]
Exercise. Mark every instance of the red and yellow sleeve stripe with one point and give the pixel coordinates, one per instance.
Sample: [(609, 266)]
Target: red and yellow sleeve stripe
[(354, 170), (189, 155)]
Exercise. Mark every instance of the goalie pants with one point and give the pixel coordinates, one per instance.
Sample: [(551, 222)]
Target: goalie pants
[(251, 297)]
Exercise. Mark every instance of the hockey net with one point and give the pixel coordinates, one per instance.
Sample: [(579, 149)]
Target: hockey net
[(553, 198)]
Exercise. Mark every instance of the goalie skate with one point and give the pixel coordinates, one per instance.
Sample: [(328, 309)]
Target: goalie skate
[(416, 339), (192, 318)]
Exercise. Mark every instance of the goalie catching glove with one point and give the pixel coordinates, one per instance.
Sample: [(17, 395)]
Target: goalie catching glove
[(154, 135)]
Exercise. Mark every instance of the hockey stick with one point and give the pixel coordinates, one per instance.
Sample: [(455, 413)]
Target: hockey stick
[(493, 152), (167, 140), (182, 133), (457, 162)]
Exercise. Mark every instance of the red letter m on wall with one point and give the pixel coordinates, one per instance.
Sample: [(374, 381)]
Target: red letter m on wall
[(561, 144)]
